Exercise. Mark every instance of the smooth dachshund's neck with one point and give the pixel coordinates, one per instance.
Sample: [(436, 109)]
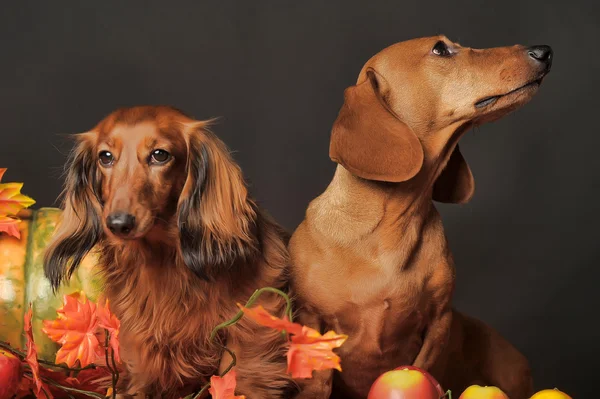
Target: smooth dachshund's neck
[(352, 207)]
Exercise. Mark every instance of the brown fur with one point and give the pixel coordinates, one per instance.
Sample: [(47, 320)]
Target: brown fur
[(200, 245), (371, 259)]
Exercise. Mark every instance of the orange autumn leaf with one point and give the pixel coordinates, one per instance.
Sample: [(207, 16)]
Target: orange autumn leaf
[(108, 321), (11, 199), (224, 387), (11, 202), (41, 390), (264, 318), (309, 350), (31, 357), (10, 226), (75, 329)]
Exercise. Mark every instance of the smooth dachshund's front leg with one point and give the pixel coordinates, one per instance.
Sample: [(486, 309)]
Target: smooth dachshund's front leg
[(436, 339), (437, 333)]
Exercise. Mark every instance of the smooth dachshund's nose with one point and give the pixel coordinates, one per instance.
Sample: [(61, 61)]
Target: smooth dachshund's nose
[(120, 223), (541, 54)]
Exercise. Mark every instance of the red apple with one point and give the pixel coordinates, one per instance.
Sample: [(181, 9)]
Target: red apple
[(478, 392), (550, 394), (433, 381), (10, 374), (403, 383)]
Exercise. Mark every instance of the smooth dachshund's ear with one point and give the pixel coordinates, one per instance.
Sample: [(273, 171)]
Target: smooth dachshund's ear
[(79, 228), (216, 217), (455, 184), (370, 141)]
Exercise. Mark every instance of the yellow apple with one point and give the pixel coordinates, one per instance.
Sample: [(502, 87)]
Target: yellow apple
[(478, 392), (551, 394)]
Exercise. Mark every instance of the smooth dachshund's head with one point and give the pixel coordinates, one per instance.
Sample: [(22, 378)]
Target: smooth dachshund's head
[(412, 101), (152, 175)]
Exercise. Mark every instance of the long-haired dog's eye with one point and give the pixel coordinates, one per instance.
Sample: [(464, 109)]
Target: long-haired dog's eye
[(159, 157), (441, 49), (106, 158)]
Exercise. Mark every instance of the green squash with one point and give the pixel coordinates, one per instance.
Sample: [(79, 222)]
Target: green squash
[(22, 281)]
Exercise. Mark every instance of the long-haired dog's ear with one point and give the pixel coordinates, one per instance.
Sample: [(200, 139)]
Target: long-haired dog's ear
[(216, 217), (455, 185), (369, 140), (79, 228)]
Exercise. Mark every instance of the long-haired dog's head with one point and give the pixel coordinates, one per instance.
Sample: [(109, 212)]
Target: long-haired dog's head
[(153, 174)]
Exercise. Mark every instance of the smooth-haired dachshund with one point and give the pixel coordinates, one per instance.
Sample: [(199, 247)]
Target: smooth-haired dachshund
[(371, 259)]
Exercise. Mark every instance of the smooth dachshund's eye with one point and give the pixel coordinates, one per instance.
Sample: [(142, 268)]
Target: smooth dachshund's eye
[(106, 158), (159, 157), (441, 49)]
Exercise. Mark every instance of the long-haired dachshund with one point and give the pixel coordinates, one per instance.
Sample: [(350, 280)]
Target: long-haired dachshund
[(371, 260), (180, 243)]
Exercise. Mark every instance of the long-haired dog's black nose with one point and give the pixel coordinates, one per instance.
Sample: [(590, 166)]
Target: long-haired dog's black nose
[(120, 223)]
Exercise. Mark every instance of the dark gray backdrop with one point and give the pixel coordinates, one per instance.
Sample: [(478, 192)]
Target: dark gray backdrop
[(525, 247)]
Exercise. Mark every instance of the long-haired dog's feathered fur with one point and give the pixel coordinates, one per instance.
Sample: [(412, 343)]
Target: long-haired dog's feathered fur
[(199, 246)]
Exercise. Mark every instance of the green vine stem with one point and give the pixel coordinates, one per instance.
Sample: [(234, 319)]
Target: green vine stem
[(233, 360), (251, 301), (227, 370), (23, 355), (448, 394), (234, 320)]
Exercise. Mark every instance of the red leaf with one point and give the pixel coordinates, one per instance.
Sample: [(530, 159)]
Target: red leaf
[(24, 389), (75, 329), (10, 226), (224, 387), (94, 380), (91, 380), (108, 321), (41, 390)]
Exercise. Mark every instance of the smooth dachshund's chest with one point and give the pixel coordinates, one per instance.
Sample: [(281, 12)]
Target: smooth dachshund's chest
[(363, 292), (380, 296)]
